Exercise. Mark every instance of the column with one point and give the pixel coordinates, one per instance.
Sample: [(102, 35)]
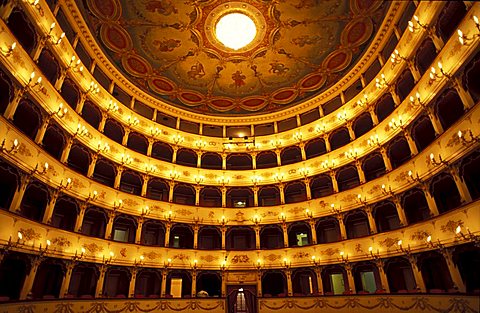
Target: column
[(400, 211), (164, 283), (288, 274), (302, 150), (371, 220), (101, 126), (61, 79), (334, 180), (395, 97), (386, 159), (66, 280), (194, 283), (198, 189), (437, 126), (464, 95), (361, 174), (224, 196), (133, 279), (195, 236), (199, 159), (254, 160), (432, 205), (255, 195), (373, 115), (118, 178), (224, 233), (80, 216), (81, 102), (146, 179), (383, 275), (41, 131), (259, 284), (460, 183), (12, 106), (257, 237), (224, 284), (350, 131), (125, 137), (341, 224), (101, 280), (41, 42), (313, 229), (351, 281), (138, 233), (411, 143), (174, 155), (47, 215), (6, 10), (327, 143), (150, 146), (281, 188), (279, 158), (453, 269), (109, 228), (170, 191), (167, 234), (66, 150), (91, 166), (307, 188), (224, 161), (417, 274), (30, 278), (318, 275), (19, 193), (415, 72), (285, 235)]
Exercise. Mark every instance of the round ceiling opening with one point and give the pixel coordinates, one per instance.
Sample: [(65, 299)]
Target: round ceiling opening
[(235, 30)]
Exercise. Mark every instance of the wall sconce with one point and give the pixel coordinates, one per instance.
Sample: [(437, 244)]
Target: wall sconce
[(37, 170), (223, 221), (169, 216), (155, 131), (126, 159), (282, 217), (145, 211), (395, 124), (194, 264), (396, 58), (328, 164), (363, 102), (112, 106), (167, 263), (387, 191), (173, 174), (117, 204), (343, 257), (8, 52), (286, 263), (92, 88), (434, 75), (374, 256), (308, 213), (11, 244), (81, 130), (298, 136), (199, 179), (334, 209), (467, 237), (34, 84), (132, 121), (101, 147), (140, 262), (468, 138), (13, 149), (256, 219), (223, 265), (415, 26), (314, 260), (304, 171), (278, 177), (276, 143), (67, 184), (440, 161), (373, 141), (258, 265), (177, 139), (431, 243), (255, 180), (466, 41), (416, 101), (401, 248), (150, 168), (49, 36), (381, 82), (60, 112), (361, 200), (80, 256), (200, 144), (222, 180), (352, 154), (342, 116), (109, 259), (413, 177), (92, 196), (41, 250), (75, 66), (320, 129)]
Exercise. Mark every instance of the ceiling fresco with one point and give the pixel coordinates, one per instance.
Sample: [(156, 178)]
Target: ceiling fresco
[(168, 48)]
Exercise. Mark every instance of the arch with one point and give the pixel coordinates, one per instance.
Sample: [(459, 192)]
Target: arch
[(83, 281), (239, 161), (210, 196), (373, 166), (400, 275), (449, 19), (266, 159), (239, 197), (137, 142), (328, 230), (184, 194), (70, 93), (291, 155), (405, 84), (425, 55), (362, 124), (148, 283), (94, 222), (304, 282), (117, 281), (211, 282), (445, 192), (335, 281), (91, 114), (271, 237), (470, 75), (28, 118), (467, 259), (105, 172), (181, 236), (114, 130), (240, 238), (339, 138), (356, 223), (54, 141), (384, 107), (274, 284), (158, 189), (49, 66), (470, 171), (295, 192), (187, 157), (211, 160), (186, 282), (209, 238), (124, 229), (315, 147), (162, 151), (268, 195), (13, 271), (48, 279), (449, 108), (6, 91), (366, 278), (299, 234), (65, 213), (35, 201), (131, 182), (321, 186), (423, 132), (347, 178), (22, 29), (398, 151), (153, 233), (386, 216), (9, 181), (435, 272), (415, 206), (79, 159)]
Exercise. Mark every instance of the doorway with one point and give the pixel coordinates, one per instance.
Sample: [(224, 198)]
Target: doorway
[(242, 299)]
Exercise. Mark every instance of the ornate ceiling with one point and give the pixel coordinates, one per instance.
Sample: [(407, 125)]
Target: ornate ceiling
[(168, 49)]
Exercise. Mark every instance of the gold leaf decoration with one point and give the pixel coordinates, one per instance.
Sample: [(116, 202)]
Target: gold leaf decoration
[(61, 242), (419, 235), (23, 150), (208, 258), (358, 248), (272, 257), (123, 252), (29, 234), (451, 226), (130, 202), (181, 257), (243, 258), (184, 212), (152, 255), (92, 248), (330, 251), (389, 242), (301, 255)]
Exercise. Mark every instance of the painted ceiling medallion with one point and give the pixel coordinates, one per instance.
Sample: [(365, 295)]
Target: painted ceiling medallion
[(235, 30), (170, 49)]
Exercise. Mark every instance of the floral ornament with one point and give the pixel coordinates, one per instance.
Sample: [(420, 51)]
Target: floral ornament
[(93, 248), (152, 255), (451, 226), (240, 259), (29, 234), (389, 242), (123, 252), (61, 242), (419, 235)]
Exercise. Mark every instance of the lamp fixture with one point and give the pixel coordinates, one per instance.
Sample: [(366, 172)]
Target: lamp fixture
[(467, 137), (373, 141), (436, 162), (92, 88), (381, 82), (112, 106), (39, 169), (415, 25), (13, 148), (75, 66), (465, 40), (8, 52)]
